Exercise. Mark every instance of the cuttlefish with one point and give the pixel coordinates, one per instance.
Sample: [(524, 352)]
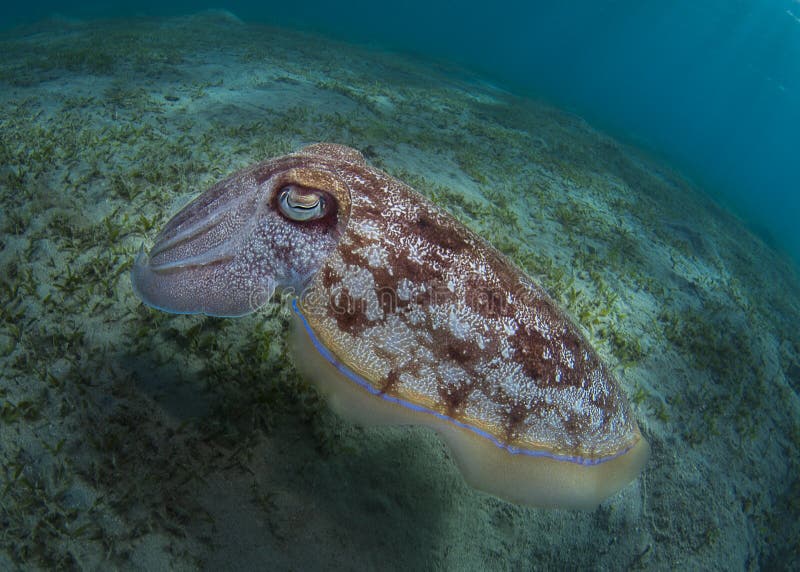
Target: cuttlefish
[(404, 316)]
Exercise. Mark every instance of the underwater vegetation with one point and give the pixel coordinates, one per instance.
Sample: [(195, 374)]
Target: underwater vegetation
[(126, 435)]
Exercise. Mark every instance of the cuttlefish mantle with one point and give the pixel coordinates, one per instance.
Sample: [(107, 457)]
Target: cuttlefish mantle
[(404, 316)]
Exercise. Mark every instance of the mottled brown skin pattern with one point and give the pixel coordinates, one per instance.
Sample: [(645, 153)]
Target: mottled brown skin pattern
[(427, 311), (401, 293)]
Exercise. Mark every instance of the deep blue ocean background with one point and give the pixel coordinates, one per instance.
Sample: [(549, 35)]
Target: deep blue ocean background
[(712, 86)]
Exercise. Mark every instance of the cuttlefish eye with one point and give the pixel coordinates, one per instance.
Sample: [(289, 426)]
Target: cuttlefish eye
[(302, 204)]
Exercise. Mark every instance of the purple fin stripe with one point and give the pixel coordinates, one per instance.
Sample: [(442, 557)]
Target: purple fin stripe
[(414, 407)]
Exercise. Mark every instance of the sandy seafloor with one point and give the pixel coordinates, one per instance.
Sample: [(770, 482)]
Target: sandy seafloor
[(136, 440)]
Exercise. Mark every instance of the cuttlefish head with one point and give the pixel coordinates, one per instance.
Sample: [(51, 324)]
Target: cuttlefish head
[(267, 228)]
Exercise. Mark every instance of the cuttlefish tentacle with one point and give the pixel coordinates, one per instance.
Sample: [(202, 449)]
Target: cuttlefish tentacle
[(403, 315)]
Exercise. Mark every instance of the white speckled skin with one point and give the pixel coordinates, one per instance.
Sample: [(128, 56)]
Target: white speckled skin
[(403, 295)]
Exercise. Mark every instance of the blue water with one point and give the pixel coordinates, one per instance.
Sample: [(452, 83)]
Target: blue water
[(714, 85)]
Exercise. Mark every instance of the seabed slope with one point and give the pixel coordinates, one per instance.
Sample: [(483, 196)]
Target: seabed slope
[(131, 439)]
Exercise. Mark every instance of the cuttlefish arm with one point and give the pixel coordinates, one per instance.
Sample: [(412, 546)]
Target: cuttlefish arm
[(403, 316)]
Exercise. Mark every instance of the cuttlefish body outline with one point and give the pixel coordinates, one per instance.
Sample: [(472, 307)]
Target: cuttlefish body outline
[(405, 316)]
